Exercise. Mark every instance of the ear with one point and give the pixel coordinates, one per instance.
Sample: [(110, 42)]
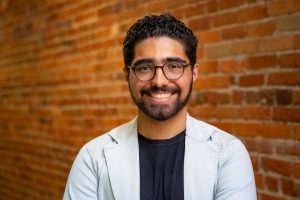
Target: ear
[(195, 72), (126, 73)]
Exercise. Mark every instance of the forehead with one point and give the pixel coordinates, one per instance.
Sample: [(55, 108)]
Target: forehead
[(158, 49)]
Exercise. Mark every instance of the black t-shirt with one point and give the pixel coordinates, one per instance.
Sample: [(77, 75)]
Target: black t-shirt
[(161, 168)]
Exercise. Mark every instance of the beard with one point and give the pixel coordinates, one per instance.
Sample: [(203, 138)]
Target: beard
[(162, 112)]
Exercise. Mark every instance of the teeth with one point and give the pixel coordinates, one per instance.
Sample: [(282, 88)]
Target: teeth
[(160, 95)]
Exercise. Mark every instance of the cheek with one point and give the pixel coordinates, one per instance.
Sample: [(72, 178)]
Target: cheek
[(185, 85), (135, 86)]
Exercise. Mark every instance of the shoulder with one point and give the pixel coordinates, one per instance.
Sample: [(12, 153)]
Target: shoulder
[(225, 143), (235, 178), (205, 132), (115, 136)]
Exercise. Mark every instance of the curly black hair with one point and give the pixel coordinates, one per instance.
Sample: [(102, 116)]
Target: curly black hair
[(157, 26)]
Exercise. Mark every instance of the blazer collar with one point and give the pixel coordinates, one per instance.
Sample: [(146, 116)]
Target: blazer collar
[(199, 130), (194, 128), (122, 159), (124, 132)]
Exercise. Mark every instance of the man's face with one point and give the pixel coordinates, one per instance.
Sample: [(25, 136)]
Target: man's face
[(160, 98)]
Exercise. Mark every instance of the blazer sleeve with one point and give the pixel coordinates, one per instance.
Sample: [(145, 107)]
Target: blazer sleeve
[(82, 180), (236, 179)]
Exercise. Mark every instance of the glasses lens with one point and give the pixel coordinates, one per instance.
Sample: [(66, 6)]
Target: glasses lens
[(173, 70), (144, 71)]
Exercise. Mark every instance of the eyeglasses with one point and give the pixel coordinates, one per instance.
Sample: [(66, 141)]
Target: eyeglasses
[(172, 70)]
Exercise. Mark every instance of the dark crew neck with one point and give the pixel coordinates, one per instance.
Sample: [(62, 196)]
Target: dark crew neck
[(180, 136)]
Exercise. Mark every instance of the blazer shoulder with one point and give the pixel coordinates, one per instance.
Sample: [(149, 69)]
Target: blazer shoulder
[(223, 138), (207, 132), (110, 138)]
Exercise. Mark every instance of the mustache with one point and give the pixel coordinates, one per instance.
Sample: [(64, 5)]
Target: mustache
[(160, 89)]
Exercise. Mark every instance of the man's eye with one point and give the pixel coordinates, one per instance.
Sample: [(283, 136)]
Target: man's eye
[(143, 68), (174, 66)]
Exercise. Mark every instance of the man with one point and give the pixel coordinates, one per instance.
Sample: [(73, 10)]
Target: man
[(163, 153)]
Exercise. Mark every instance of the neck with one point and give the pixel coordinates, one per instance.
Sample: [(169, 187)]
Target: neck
[(158, 130)]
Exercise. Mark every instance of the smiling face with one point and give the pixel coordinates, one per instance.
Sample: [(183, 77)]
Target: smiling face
[(160, 98)]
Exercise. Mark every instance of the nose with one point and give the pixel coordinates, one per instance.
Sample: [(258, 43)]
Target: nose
[(159, 78)]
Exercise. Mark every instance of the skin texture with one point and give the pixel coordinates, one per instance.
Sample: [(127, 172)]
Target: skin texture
[(162, 103)]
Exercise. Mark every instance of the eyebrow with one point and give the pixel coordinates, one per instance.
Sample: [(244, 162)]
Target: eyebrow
[(168, 59), (141, 61), (176, 59)]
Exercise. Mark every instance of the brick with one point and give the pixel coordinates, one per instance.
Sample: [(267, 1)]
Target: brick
[(286, 114), (252, 97), (202, 23), (247, 129), (289, 23), (275, 43), (238, 97), (276, 131), (263, 61), (171, 4), (251, 80), (272, 183), (296, 41), (252, 13), (212, 6), (200, 52), (264, 196), (244, 47), (252, 1), (212, 82), (283, 78), (217, 51), (226, 126), (256, 112), (117, 7), (194, 10), (297, 132), (235, 32), (208, 36), (197, 99), (225, 18), (277, 166), (230, 66), (281, 6), (266, 97), (226, 112), (259, 145), (288, 148), (215, 98), (284, 97), (86, 17), (289, 60), (291, 188), (259, 180), (296, 97), (297, 170), (202, 111), (261, 29), (206, 67), (225, 4), (156, 7)]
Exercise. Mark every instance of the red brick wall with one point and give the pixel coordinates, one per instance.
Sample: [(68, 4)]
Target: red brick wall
[(61, 84)]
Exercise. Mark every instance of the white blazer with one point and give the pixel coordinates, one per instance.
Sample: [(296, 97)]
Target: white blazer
[(216, 166)]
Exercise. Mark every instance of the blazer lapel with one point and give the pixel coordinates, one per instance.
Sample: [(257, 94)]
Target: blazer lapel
[(200, 161), (123, 166)]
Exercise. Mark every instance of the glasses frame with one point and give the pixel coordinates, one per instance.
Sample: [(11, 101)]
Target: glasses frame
[(162, 68)]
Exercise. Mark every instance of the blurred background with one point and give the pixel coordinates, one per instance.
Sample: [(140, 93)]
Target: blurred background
[(61, 84)]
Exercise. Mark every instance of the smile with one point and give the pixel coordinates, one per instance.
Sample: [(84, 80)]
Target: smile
[(160, 95)]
